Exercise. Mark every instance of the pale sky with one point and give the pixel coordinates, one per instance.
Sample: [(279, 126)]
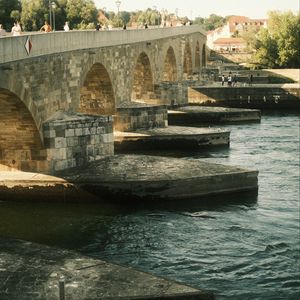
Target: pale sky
[(203, 8)]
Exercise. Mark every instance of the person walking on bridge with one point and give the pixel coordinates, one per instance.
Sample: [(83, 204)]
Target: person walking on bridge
[(46, 27), (2, 31), (223, 79), (16, 30)]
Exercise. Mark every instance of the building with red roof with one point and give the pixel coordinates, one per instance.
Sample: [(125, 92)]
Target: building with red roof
[(216, 39)]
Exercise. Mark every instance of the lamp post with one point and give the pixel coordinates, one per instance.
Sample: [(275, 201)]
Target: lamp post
[(50, 13), (164, 13), (118, 3), (53, 9)]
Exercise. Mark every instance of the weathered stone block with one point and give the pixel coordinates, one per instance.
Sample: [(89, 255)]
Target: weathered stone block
[(60, 142)]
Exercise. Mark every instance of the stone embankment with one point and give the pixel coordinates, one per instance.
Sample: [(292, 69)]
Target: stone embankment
[(128, 178), (32, 271), (171, 138), (195, 115), (271, 96)]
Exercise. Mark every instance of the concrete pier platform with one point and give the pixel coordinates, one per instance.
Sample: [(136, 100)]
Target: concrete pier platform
[(128, 178), (258, 96), (194, 114), (171, 137), (32, 271)]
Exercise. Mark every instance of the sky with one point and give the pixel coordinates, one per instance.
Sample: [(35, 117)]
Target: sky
[(203, 8)]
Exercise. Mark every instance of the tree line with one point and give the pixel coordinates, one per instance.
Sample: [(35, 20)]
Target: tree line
[(81, 14), (278, 46)]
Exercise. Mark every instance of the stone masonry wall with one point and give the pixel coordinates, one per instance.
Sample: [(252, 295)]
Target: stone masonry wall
[(172, 93), (21, 147), (140, 116), (248, 97), (73, 140)]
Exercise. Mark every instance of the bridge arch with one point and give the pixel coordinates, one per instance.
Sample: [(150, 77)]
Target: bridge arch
[(96, 93), (187, 61), (142, 84), (170, 66), (21, 146)]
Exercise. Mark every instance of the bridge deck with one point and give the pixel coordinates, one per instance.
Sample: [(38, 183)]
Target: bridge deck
[(13, 48)]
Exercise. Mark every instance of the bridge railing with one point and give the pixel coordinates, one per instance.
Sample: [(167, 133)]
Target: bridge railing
[(14, 48)]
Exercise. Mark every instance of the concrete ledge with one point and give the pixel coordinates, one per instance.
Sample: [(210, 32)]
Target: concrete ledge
[(273, 96), (171, 137), (129, 178), (135, 177), (32, 271), (195, 114)]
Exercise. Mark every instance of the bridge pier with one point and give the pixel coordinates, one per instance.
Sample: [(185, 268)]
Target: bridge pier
[(72, 140)]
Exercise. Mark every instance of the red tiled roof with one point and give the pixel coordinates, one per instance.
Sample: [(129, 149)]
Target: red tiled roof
[(233, 20)]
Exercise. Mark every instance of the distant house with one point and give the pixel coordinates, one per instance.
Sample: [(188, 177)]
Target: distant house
[(229, 44), (234, 26)]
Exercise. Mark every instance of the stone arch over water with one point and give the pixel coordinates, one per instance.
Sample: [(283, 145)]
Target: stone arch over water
[(197, 57), (142, 85), (96, 93), (203, 56), (170, 66), (187, 61), (20, 144)]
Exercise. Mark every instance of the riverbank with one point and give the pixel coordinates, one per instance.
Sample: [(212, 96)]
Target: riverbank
[(258, 96), (33, 271)]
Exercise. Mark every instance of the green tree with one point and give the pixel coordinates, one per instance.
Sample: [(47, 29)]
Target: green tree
[(15, 15), (267, 50), (125, 17), (6, 8), (34, 14), (279, 45), (250, 38), (212, 22), (81, 13)]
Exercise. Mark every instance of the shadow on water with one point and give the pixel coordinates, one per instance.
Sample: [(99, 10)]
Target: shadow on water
[(204, 152), (71, 225)]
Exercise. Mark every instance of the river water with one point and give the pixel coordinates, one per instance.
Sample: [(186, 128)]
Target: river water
[(244, 247)]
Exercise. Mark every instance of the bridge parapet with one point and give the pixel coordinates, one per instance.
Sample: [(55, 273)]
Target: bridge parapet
[(13, 48)]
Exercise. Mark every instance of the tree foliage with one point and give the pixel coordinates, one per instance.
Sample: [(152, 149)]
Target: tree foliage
[(279, 45), (81, 13), (212, 22), (7, 19)]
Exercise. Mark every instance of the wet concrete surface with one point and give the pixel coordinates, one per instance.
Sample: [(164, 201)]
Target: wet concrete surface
[(128, 177), (172, 137), (33, 271), (196, 115)]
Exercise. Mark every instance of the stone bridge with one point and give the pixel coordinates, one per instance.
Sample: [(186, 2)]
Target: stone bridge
[(61, 98)]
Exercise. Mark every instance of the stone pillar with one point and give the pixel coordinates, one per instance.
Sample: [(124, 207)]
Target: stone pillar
[(133, 116), (72, 140)]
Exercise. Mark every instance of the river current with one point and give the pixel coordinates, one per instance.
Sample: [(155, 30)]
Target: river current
[(243, 247)]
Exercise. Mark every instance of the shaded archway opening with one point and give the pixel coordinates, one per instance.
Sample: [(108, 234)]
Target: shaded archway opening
[(96, 94), (142, 86), (187, 62), (203, 56), (197, 57), (20, 143), (170, 69)]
